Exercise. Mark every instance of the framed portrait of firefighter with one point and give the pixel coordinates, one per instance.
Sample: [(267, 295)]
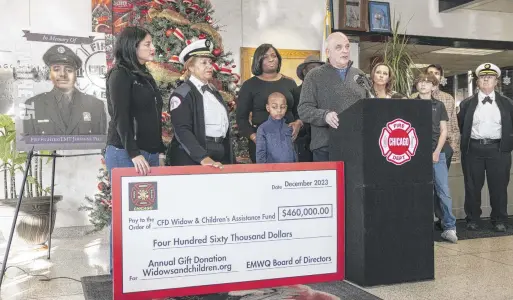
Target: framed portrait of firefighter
[(60, 93), (353, 15)]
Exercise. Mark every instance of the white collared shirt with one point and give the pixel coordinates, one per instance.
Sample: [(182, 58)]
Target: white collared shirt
[(216, 118), (487, 119)]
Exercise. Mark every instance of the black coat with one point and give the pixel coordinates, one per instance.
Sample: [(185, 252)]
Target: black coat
[(305, 131), (43, 116), (188, 119), (466, 118), (135, 105)]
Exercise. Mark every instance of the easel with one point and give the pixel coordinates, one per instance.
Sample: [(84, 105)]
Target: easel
[(28, 163)]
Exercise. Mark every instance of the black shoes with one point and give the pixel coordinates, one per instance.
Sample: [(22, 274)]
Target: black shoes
[(472, 226), (499, 227)]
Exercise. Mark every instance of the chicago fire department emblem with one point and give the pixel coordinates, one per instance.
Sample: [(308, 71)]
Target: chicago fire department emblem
[(143, 196), (398, 142)]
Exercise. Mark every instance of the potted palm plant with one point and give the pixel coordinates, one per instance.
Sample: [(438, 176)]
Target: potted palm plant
[(34, 220), (399, 58)]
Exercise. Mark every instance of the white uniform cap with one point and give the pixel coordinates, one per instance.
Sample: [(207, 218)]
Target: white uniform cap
[(198, 48), (488, 69)]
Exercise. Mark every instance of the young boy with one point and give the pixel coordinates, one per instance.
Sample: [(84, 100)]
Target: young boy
[(426, 84), (274, 138)]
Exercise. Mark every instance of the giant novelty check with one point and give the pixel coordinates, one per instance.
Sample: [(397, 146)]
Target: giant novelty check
[(195, 230)]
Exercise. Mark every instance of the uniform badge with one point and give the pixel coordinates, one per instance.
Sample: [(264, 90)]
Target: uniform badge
[(174, 103), (61, 50), (87, 116), (487, 66)]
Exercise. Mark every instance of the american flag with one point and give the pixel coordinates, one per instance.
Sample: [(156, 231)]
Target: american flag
[(328, 23)]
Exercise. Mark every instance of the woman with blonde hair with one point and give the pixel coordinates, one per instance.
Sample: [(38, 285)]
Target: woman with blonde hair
[(199, 114), (383, 77)]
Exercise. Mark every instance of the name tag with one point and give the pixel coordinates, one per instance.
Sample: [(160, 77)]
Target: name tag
[(43, 121)]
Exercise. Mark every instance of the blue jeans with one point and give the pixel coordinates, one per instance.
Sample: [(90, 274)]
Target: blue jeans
[(119, 158), (441, 178)]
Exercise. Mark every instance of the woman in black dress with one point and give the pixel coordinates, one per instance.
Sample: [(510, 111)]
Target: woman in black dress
[(255, 91)]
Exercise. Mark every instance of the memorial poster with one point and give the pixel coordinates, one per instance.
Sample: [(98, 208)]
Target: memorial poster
[(59, 90)]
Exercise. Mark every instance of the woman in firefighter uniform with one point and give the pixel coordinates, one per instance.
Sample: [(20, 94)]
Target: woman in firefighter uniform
[(198, 113)]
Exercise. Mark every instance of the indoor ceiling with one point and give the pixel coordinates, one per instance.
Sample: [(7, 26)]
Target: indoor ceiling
[(453, 64), (505, 6)]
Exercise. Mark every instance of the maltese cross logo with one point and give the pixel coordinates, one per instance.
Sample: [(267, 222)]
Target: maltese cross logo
[(398, 142)]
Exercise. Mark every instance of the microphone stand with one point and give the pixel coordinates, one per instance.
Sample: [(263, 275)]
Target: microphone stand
[(369, 93), (363, 82)]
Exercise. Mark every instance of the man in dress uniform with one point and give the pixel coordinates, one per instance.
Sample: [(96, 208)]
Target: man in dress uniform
[(486, 125), (64, 110)]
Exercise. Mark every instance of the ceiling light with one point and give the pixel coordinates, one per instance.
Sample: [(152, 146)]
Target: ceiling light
[(466, 51)]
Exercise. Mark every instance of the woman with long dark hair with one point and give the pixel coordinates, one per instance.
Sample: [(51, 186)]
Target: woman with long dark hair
[(134, 137), (255, 91), (134, 104)]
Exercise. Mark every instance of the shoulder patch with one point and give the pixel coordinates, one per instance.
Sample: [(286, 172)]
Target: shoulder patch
[(174, 102), (182, 90)]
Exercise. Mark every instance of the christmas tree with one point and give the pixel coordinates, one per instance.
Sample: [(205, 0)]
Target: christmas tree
[(100, 206), (173, 25)]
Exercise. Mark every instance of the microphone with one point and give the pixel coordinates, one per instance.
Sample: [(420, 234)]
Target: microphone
[(364, 82)]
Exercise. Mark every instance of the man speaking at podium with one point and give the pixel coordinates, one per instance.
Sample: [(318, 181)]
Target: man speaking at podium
[(327, 91)]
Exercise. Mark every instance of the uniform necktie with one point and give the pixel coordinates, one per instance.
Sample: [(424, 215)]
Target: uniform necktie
[(487, 99), (205, 88), (65, 106)]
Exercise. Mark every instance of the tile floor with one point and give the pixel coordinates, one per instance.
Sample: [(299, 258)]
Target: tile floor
[(471, 269)]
